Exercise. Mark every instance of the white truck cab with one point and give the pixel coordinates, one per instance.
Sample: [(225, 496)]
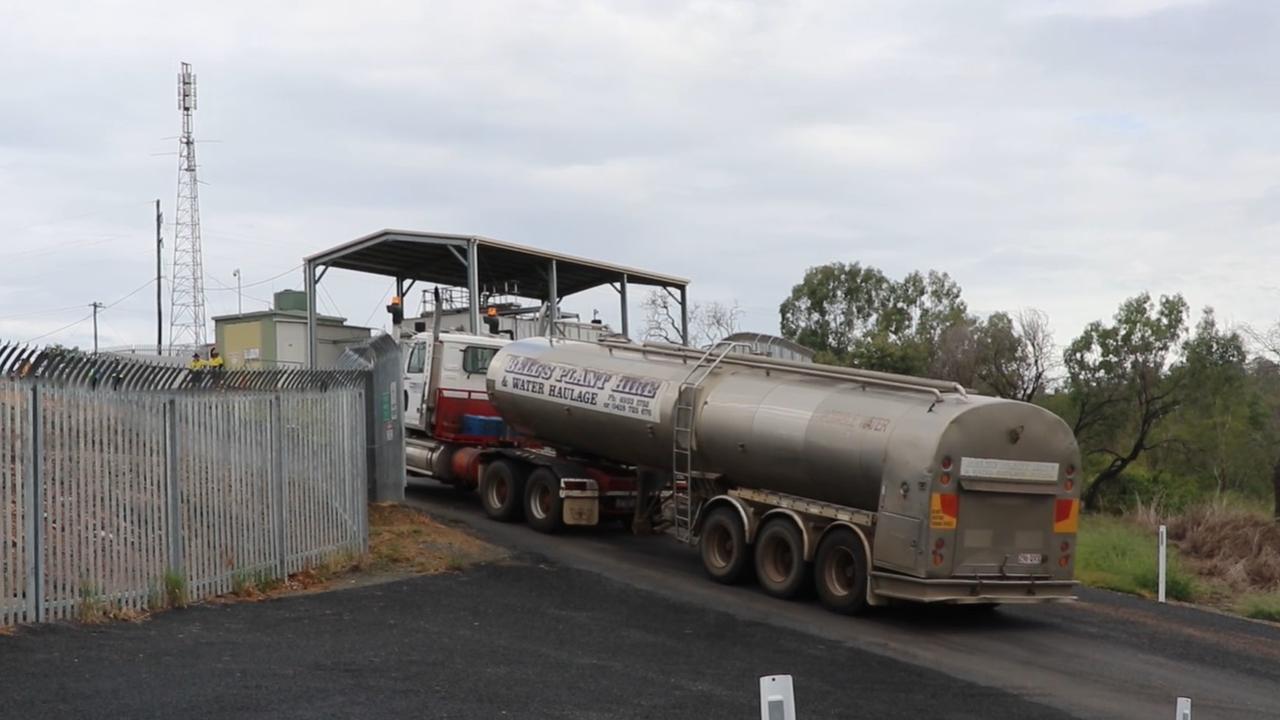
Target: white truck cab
[(462, 365)]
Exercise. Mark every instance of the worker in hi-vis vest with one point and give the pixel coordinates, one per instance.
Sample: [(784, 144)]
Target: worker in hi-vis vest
[(215, 360), (196, 362)]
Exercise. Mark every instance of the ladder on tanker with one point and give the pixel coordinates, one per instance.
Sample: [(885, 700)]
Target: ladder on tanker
[(682, 515)]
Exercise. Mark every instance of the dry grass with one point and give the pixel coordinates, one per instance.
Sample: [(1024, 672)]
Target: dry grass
[(406, 540), (1237, 547)]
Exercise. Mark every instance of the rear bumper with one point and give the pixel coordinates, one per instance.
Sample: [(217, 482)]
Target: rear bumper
[(962, 591)]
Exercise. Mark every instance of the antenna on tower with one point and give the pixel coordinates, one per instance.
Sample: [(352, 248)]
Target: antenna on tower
[(186, 325)]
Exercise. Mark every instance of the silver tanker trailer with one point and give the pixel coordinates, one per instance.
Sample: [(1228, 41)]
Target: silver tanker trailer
[(871, 486)]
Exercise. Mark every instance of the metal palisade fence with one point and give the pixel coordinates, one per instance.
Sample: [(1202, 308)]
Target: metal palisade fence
[(125, 485)]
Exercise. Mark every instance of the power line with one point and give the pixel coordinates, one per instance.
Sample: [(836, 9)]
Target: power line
[(41, 312), (133, 292), (68, 326), (332, 303), (253, 284), (214, 278), (390, 287)]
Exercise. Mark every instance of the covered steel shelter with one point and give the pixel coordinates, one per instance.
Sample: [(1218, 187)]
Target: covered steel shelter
[(482, 265)]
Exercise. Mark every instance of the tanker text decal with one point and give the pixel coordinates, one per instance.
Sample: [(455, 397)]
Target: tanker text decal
[(627, 395)]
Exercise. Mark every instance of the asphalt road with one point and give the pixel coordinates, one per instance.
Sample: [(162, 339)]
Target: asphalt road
[(523, 639), (1107, 656)]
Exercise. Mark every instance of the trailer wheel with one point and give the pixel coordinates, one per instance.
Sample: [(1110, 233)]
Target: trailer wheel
[(543, 506), (780, 566), (840, 572), (723, 545), (502, 490)]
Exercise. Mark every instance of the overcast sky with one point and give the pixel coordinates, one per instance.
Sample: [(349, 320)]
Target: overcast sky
[(1058, 155)]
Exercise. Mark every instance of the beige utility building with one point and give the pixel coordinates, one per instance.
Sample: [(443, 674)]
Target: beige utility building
[(277, 338)]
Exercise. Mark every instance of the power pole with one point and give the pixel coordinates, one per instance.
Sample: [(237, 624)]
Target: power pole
[(159, 280), (239, 300), (186, 317), (96, 307)]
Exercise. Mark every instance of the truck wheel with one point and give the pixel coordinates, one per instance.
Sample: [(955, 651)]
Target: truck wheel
[(840, 572), (543, 506), (723, 545), (780, 566), (502, 490)]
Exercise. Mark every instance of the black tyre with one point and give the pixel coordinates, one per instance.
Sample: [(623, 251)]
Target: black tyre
[(502, 490), (780, 566), (723, 544), (840, 572), (543, 506)]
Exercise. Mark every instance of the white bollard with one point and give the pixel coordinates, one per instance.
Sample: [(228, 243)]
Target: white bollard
[(1184, 709), (1163, 559), (777, 698)]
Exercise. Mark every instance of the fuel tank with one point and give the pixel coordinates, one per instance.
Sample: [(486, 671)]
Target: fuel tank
[(832, 434)]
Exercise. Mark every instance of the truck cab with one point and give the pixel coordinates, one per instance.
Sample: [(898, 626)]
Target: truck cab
[(459, 389)]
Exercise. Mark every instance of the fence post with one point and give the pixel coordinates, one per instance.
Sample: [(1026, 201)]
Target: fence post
[(1163, 561), (279, 499), (173, 487), (1183, 709), (34, 515)]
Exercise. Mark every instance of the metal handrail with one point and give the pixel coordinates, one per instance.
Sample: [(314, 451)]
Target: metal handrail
[(868, 377)]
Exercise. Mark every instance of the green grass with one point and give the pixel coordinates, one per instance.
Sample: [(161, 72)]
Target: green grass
[(175, 589), (1116, 554), (1261, 606)]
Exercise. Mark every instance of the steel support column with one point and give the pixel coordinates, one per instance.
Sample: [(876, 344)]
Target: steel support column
[(622, 290), (684, 314), (553, 301), (312, 343), (473, 284)]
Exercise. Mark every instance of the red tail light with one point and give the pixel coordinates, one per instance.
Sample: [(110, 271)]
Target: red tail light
[(1064, 561), (939, 543), (937, 558), (1065, 546), (946, 462), (945, 479)]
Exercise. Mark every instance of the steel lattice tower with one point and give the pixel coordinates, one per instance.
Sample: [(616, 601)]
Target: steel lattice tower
[(186, 314)]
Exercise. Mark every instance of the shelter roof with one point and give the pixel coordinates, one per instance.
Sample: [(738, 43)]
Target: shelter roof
[(503, 267)]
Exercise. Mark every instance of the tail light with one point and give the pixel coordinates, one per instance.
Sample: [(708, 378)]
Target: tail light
[(1064, 561), (946, 462), (945, 479), (1065, 546), (937, 558), (1066, 516), (939, 544)]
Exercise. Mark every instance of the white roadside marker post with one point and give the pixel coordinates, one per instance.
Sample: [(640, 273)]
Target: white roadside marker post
[(777, 698), (1184, 709), (1162, 561)]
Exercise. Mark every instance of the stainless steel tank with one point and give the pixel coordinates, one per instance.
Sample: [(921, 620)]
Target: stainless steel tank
[(831, 434)]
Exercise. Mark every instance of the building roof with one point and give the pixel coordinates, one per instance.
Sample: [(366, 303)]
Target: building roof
[(503, 267), (290, 314)]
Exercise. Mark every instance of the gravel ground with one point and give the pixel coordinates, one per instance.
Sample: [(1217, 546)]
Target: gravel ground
[(519, 639)]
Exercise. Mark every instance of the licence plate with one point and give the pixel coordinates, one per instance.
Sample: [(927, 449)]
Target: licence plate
[(624, 503), (1030, 558)]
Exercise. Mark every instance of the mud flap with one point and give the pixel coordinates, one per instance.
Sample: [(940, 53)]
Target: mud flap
[(581, 511)]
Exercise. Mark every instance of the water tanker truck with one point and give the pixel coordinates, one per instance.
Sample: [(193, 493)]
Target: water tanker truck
[(871, 486)]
